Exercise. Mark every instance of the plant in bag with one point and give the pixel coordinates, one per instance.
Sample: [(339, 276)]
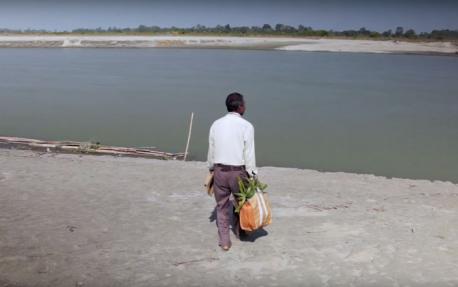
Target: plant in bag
[(247, 189)]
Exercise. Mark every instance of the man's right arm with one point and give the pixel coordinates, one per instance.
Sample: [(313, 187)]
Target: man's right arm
[(211, 150)]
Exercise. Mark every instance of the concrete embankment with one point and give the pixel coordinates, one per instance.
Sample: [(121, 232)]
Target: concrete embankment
[(82, 220)]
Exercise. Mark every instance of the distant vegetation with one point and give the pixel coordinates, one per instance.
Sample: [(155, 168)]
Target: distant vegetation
[(265, 30)]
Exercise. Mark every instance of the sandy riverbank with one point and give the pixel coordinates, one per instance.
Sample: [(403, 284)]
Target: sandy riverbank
[(71, 220), (290, 44)]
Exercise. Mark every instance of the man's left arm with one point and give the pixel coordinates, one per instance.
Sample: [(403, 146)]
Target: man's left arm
[(249, 152)]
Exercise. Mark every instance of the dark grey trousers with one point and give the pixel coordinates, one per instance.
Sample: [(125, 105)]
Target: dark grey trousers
[(225, 185)]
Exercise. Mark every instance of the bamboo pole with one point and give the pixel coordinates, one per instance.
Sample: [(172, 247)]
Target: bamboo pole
[(81, 147), (189, 137)]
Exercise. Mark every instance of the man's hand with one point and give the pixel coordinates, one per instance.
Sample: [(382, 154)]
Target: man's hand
[(255, 176)]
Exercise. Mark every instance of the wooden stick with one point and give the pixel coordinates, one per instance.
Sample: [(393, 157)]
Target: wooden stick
[(189, 137)]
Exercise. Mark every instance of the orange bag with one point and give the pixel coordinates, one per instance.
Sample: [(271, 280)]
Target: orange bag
[(256, 212)]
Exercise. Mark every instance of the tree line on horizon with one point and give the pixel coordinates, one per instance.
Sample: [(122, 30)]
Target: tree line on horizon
[(266, 29)]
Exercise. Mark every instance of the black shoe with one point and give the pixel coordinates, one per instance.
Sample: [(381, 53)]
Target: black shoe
[(241, 234)]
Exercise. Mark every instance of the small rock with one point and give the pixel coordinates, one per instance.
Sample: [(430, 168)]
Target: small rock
[(71, 228)]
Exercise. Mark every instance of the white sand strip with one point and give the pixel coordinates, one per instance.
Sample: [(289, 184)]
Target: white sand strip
[(338, 45)]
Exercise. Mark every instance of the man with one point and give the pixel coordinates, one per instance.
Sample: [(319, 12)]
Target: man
[(231, 156)]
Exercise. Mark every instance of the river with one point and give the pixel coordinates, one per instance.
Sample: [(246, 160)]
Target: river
[(383, 114)]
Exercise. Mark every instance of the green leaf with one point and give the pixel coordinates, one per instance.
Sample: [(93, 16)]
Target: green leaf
[(247, 189)]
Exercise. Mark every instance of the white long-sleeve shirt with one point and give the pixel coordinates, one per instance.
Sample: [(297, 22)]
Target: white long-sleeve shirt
[(231, 142)]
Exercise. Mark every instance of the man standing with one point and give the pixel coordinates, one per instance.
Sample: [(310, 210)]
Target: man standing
[(231, 156)]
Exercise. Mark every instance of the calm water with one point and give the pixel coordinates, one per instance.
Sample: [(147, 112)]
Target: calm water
[(392, 115)]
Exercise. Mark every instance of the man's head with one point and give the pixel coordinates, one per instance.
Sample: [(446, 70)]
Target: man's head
[(235, 103)]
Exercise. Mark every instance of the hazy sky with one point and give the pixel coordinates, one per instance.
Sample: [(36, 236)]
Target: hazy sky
[(421, 15)]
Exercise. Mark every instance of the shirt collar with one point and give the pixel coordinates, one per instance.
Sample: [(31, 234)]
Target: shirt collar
[(234, 114)]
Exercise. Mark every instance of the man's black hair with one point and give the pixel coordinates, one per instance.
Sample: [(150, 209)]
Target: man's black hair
[(234, 101)]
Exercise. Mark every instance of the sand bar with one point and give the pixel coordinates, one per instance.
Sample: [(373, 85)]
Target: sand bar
[(289, 44), (72, 220)]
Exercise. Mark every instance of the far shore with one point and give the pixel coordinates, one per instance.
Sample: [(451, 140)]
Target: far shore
[(260, 43)]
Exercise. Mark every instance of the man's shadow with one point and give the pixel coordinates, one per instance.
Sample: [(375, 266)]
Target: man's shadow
[(249, 236)]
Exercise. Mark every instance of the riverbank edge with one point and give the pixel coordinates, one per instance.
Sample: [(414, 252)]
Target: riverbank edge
[(344, 174)]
